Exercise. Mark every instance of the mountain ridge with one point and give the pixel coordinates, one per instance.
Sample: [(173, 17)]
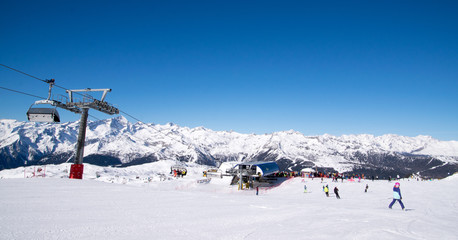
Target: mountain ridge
[(116, 141)]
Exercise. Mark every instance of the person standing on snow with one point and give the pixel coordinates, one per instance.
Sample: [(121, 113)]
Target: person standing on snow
[(367, 186), (326, 191), (397, 195), (336, 191)]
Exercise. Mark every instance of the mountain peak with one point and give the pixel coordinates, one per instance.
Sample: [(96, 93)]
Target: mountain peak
[(120, 119), (117, 139)]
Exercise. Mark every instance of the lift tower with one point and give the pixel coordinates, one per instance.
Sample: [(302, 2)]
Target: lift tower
[(77, 106), (76, 170)]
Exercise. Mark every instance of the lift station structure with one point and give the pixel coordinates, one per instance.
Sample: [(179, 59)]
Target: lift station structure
[(76, 106), (256, 171)]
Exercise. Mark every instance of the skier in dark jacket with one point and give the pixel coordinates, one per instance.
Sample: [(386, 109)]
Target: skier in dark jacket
[(397, 196), (336, 191)]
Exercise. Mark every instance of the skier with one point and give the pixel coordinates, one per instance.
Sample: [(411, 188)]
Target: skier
[(397, 196), (367, 186), (326, 191), (336, 191)]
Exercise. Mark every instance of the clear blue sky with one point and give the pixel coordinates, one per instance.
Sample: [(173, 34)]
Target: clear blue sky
[(336, 67)]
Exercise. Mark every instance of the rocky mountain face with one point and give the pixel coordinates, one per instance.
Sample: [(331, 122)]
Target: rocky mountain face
[(118, 142)]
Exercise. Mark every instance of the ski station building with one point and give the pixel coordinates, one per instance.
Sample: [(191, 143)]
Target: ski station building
[(259, 169), (307, 172), (253, 173)]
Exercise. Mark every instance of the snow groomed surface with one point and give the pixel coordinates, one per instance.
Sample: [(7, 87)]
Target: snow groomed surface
[(168, 208)]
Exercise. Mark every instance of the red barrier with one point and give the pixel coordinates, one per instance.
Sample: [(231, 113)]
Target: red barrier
[(76, 171)]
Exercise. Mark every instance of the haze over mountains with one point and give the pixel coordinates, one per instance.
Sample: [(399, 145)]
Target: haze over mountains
[(118, 142)]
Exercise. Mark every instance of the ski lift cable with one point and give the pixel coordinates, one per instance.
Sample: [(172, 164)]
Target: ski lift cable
[(3, 65), (98, 119), (28, 94), (47, 81), (31, 95), (43, 80), (130, 115), (12, 90)]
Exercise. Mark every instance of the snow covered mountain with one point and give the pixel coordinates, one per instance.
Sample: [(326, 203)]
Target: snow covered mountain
[(118, 142)]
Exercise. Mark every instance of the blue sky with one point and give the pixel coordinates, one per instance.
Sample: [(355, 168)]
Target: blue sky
[(336, 67)]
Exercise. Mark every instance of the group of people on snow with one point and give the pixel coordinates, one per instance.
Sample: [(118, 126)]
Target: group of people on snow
[(178, 172), (397, 197), (326, 191)]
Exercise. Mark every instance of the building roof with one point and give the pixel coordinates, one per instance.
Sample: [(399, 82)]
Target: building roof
[(267, 168)]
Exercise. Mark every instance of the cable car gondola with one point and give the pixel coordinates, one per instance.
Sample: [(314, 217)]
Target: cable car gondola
[(35, 114), (44, 114)]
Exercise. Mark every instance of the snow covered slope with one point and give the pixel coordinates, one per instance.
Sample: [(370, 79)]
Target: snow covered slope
[(62, 208), (118, 142)]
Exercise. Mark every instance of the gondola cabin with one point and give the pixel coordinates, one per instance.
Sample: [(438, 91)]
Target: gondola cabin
[(43, 115)]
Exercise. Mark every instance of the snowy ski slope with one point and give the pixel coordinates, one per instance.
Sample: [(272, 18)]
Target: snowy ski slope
[(60, 208)]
